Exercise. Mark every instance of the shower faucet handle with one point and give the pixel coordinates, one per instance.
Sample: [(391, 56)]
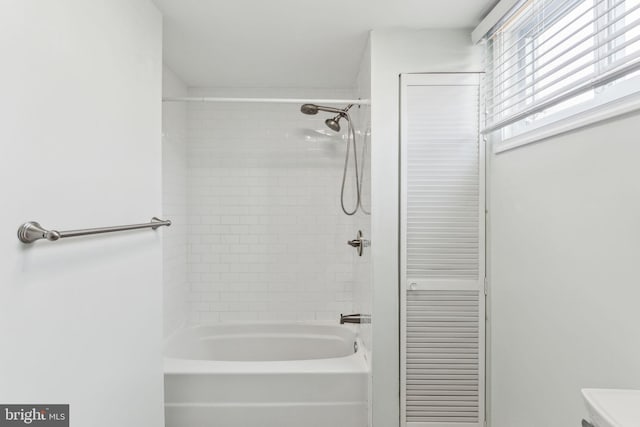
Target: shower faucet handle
[(359, 243), (356, 243)]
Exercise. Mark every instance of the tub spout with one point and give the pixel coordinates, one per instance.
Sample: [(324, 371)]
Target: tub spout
[(355, 318)]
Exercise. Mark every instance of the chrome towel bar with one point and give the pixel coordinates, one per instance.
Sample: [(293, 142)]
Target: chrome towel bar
[(31, 231)]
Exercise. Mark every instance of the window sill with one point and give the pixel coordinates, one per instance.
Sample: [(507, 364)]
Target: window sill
[(590, 116)]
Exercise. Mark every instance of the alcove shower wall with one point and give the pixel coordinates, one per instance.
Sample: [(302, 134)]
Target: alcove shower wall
[(266, 235)]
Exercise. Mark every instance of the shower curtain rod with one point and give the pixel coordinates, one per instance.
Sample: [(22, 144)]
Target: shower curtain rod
[(267, 100)]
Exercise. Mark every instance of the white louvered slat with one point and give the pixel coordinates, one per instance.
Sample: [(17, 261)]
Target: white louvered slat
[(442, 362), (442, 181), (442, 262)]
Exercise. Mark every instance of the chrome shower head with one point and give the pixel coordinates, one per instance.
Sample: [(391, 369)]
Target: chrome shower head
[(334, 123)]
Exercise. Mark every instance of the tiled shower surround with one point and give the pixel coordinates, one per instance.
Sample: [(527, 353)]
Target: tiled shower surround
[(266, 235)]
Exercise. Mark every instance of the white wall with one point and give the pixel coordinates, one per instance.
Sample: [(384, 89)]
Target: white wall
[(80, 319), (362, 285), (565, 217), (394, 52), (266, 234), (362, 298), (174, 202)]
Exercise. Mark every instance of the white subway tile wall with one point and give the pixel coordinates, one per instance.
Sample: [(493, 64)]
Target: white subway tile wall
[(266, 235)]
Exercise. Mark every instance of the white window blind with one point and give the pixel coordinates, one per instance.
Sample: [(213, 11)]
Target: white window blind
[(547, 56)]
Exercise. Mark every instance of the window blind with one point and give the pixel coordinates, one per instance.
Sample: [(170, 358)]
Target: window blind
[(549, 55)]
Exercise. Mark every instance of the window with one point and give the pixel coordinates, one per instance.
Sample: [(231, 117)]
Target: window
[(550, 59)]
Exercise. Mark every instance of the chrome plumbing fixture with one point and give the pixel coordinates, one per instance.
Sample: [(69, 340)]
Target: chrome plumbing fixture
[(359, 242), (313, 109), (355, 318), (32, 231), (333, 123)]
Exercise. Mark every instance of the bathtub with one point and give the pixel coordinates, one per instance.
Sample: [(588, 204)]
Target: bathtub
[(266, 375)]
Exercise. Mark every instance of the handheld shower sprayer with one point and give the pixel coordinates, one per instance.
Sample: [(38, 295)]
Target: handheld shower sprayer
[(313, 109), (333, 123)]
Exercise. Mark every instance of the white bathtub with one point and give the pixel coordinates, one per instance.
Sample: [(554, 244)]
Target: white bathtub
[(266, 375)]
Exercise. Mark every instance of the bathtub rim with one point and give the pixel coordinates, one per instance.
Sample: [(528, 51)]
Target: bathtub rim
[(353, 363)]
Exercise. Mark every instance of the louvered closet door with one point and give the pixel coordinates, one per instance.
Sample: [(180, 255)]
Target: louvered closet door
[(442, 252)]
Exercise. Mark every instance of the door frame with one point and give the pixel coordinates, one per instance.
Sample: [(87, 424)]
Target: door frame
[(442, 79)]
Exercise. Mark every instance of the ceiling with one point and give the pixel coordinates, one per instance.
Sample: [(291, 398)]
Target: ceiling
[(291, 43)]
